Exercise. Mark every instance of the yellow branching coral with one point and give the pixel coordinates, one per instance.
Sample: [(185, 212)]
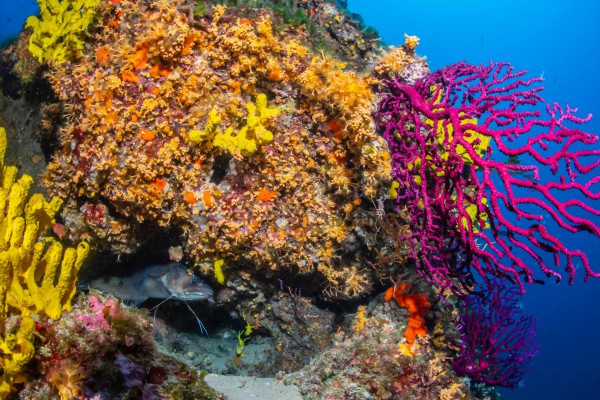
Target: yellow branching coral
[(57, 33), (48, 297), (255, 133), (36, 276)]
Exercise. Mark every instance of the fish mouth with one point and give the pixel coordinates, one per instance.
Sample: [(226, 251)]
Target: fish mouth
[(193, 296)]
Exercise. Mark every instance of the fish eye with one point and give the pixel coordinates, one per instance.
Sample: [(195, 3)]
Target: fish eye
[(194, 281)]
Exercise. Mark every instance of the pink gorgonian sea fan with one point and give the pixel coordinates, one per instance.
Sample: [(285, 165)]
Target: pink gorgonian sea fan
[(471, 152), (498, 342)]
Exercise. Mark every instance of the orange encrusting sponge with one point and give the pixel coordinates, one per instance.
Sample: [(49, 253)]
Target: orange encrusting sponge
[(416, 304)]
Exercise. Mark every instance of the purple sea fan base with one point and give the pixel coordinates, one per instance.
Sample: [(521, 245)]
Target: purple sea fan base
[(498, 341), (444, 119)]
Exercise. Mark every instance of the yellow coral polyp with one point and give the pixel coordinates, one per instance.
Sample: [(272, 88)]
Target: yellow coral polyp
[(67, 377), (392, 62), (410, 42), (57, 34), (345, 91), (360, 321)]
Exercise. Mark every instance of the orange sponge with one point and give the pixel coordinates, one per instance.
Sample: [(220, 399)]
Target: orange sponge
[(416, 304)]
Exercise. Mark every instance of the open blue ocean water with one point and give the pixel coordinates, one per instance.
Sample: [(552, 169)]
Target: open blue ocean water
[(558, 40)]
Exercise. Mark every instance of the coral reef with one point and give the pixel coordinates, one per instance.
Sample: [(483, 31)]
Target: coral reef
[(370, 361), (498, 341), (168, 126), (103, 349), (299, 168), (442, 131), (36, 276)]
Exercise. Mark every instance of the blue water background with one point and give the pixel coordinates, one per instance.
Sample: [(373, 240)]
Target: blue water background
[(13, 14), (560, 40)]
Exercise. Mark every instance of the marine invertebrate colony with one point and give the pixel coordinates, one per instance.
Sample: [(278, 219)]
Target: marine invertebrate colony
[(259, 150), (58, 33), (36, 276), (371, 362), (453, 185), (416, 304), (498, 341), (264, 154), (252, 135), (81, 350)]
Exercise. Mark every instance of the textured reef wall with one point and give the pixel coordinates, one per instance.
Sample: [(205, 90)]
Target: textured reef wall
[(302, 169), (50, 345), (260, 150)]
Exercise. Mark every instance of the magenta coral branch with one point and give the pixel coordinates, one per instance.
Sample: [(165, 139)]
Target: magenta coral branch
[(438, 130), (498, 342)]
